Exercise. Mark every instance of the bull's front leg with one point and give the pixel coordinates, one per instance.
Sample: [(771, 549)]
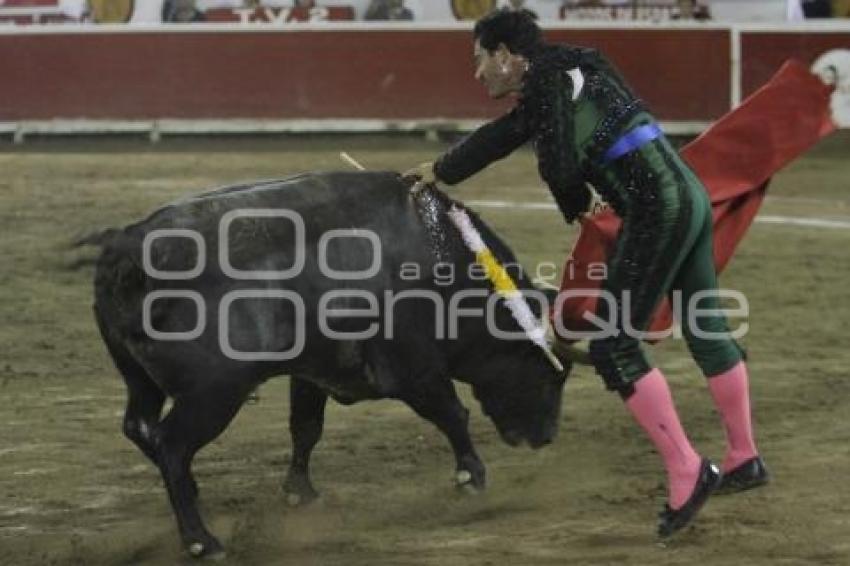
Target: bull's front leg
[(306, 420), (436, 401)]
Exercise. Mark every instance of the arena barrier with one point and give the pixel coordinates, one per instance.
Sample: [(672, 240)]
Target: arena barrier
[(354, 77)]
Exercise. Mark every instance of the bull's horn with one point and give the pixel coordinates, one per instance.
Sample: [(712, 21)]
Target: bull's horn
[(572, 353), (553, 359)]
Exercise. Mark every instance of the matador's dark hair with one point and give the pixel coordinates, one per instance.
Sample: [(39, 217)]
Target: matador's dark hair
[(517, 29)]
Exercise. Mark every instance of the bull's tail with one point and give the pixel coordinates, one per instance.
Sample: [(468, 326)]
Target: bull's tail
[(98, 238)]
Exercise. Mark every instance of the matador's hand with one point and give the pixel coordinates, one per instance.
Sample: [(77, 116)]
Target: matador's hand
[(422, 173)]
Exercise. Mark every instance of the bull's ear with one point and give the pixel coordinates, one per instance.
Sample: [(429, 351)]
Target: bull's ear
[(571, 353)]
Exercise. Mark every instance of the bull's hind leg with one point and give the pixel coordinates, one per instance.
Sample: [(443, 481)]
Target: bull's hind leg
[(196, 419), (436, 401), (144, 398), (306, 419), (144, 407)]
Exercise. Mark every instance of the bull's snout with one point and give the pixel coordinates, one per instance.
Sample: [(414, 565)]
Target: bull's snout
[(544, 436), (533, 438), (542, 440)]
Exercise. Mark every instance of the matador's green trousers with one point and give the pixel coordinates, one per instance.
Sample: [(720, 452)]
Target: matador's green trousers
[(664, 245)]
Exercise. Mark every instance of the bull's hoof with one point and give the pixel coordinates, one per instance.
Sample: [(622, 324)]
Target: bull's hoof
[(299, 491), (463, 477), (467, 482), (300, 499), (210, 549)]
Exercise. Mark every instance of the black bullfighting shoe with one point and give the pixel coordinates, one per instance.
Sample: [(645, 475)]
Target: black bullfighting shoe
[(748, 475), (674, 519)]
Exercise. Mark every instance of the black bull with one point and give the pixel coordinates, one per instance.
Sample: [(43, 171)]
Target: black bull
[(151, 285)]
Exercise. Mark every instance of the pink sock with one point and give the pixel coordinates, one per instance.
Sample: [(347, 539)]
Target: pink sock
[(730, 391), (652, 406)]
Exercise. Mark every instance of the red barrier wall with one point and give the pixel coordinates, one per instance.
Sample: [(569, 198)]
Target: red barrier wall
[(236, 75), (318, 74), (683, 75), (361, 72), (763, 53)]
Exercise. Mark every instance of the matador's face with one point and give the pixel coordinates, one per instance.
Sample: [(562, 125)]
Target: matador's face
[(499, 70)]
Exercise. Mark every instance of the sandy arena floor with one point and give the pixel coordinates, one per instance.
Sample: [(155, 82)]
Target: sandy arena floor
[(74, 491)]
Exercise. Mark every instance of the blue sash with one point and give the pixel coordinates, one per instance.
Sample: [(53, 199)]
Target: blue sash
[(632, 140)]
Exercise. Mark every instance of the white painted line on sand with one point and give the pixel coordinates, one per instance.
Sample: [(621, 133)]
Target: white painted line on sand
[(761, 219), (810, 222), (508, 204), (831, 202), (838, 203)]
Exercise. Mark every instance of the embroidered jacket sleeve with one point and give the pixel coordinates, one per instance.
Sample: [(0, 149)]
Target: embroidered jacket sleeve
[(487, 144)]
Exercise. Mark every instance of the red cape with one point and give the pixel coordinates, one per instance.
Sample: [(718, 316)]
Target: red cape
[(735, 159)]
